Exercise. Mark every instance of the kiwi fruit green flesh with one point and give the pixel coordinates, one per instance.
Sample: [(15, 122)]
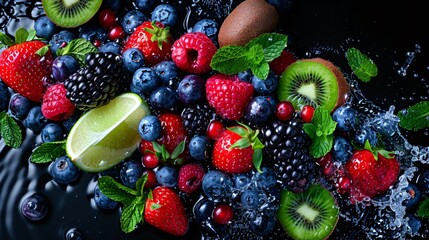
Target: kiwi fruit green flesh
[(312, 214), (70, 13), (316, 82)]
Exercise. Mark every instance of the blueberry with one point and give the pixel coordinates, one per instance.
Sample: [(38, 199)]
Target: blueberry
[(111, 47), (191, 89), (259, 110), (132, 20), (144, 81), (74, 234), (35, 207), (167, 72), (266, 179), (4, 96), (216, 185), (19, 106), (63, 171), (345, 117), (414, 223), (366, 132), (167, 176), (69, 122), (273, 101), (207, 26), (415, 195), (115, 5), (163, 98), (166, 14), (198, 147), (262, 224), (132, 59), (59, 39), (102, 201), (267, 86), (245, 76), (203, 210), (250, 199), (150, 128), (93, 33), (144, 5), (282, 6), (242, 181), (130, 172), (63, 67), (52, 132), (44, 27), (35, 119), (342, 149), (423, 181)]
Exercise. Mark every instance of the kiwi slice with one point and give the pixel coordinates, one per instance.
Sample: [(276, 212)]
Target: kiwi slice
[(312, 214), (70, 13), (311, 82)]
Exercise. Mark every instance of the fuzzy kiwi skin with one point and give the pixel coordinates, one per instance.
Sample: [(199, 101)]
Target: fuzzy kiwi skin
[(248, 20)]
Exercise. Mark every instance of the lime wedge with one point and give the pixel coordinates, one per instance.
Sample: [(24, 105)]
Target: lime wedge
[(104, 136)]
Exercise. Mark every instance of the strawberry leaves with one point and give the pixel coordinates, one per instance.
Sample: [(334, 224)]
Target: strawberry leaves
[(21, 35), (162, 153)]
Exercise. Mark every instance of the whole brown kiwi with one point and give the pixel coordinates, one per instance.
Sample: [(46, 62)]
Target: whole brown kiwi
[(248, 20)]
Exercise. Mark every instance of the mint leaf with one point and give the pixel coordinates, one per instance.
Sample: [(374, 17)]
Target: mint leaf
[(321, 132), (6, 40), (140, 184), (363, 67), (21, 35), (10, 131), (272, 44), (423, 210), (132, 214), (415, 117), (42, 51), (116, 191), (48, 152), (78, 48), (261, 71), (230, 60)]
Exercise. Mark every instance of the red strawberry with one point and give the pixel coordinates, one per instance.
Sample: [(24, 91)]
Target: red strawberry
[(22, 69), (279, 64), (173, 132), (190, 177), (153, 40), (193, 52), (228, 95), (370, 173), (234, 150), (166, 212), (56, 106)]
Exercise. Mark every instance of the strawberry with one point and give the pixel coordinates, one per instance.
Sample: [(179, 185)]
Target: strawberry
[(370, 173), (237, 150), (173, 132), (228, 95), (165, 211), (279, 64), (153, 40), (22, 69), (56, 106)]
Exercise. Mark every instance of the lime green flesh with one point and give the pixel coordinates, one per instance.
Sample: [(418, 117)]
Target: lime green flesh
[(104, 136), (308, 83), (70, 13), (312, 214)]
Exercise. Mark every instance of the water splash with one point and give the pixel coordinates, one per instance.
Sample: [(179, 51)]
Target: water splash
[(410, 58)]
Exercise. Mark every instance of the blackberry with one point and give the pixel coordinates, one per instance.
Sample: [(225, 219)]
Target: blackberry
[(97, 83), (286, 151), (197, 118)]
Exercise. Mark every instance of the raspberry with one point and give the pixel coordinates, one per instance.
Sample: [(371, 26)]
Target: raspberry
[(193, 52), (190, 177), (56, 106), (279, 64)]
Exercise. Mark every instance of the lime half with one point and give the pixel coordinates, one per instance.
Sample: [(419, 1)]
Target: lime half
[(104, 136)]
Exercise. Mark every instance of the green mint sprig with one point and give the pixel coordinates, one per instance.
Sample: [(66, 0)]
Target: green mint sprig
[(255, 55), (423, 210), (321, 131), (363, 67), (133, 200), (48, 152), (415, 117), (10, 131), (78, 48)]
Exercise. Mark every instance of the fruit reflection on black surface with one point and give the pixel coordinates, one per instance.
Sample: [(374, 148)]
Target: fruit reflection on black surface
[(311, 31)]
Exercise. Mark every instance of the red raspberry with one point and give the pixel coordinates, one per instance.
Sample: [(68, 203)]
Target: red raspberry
[(228, 95), (190, 177), (56, 106), (193, 52), (279, 64)]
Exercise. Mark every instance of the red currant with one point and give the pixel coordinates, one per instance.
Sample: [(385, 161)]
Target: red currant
[(215, 129), (116, 32), (222, 214), (97, 43), (307, 113), (150, 160), (284, 110), (343, 184), (107, 18), (151, 178)]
